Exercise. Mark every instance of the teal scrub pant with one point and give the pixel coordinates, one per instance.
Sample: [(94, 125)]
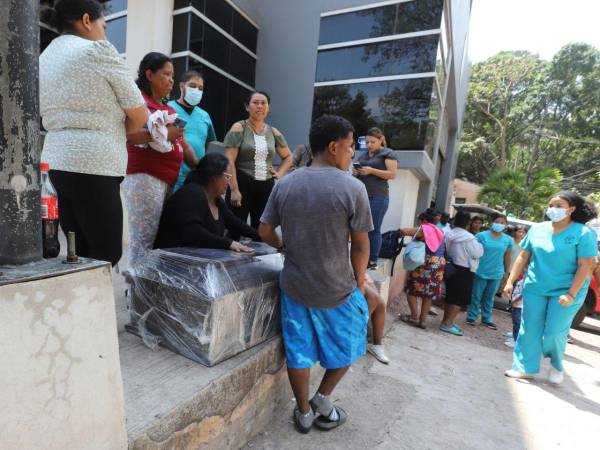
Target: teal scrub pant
[(545, 325), (482, 299)]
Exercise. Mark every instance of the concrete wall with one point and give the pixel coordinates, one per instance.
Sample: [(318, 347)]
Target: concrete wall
[(403, 201), (60, 372), (149, 29)]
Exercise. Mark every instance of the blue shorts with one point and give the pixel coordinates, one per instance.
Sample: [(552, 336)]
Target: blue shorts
[(336, 337)]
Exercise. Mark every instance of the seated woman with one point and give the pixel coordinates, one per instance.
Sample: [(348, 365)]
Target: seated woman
[(196, 215)]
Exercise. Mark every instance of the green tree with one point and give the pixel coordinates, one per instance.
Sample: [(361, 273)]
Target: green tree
[(527, 115), (510, 191)]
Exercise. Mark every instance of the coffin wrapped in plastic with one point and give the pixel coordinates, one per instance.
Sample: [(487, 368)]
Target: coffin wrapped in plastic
[(207, 305)]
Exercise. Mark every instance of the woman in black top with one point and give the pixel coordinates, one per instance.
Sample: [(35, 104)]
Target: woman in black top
[(196, 215)]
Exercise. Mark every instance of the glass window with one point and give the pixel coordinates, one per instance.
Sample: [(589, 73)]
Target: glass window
[(363, 24), (237, 97), (242, 65), (46, 36), (220, 13), (216, 48), (181, 33), (407, 17), (197, 34), (114, 6), (440, 69), (244, 31), (433, 123), (419, 15), (403, 56), (198, 4), (116, 33), (400, 108), (180, 66)]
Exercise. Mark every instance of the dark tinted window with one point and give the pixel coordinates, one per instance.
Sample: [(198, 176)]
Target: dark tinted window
[(236, 110), (181, 30), (244, 31), (116, 33), (220, 13), (400, 108), (402, 56), (180, 66), (358, 25), (416, 15), (197, 37), (215, 99), (46, 37), (198, 4), (242, 65), (114, 6), (216, 48)]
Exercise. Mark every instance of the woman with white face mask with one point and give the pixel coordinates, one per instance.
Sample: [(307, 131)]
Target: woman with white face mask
[(199, 130), (559, 256), (493, 266)]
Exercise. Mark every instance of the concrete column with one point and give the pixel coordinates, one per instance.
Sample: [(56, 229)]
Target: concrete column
[(20, 219), (149, 29), (446, 180)]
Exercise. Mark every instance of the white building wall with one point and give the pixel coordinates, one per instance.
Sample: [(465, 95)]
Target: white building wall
[(403, 201)]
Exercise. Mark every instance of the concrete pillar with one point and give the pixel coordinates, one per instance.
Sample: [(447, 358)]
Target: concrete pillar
[(20, 219), (446, 179), (149, 29)]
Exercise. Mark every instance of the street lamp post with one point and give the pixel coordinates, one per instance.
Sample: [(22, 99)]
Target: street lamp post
[(20, 219)]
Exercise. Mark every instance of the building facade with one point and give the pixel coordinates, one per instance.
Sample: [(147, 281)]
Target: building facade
[(400, 65)]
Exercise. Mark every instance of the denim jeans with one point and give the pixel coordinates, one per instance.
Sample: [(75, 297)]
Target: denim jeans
[(516, 321), (379, 206)]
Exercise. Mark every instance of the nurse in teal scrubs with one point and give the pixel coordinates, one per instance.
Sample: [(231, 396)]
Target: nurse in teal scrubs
[(199, 131), (560, 257), (493, 266)]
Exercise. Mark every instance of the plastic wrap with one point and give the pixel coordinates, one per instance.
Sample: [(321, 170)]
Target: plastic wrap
[(207, 305)]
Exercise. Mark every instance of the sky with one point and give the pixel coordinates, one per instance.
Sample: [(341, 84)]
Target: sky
[(540, 26)]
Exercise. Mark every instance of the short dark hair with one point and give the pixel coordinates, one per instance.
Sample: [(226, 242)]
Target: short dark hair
[(445, 215), (497, 216), (584, 209), (474, 218), (462, 219), (67, 12), (427, 216), (212, 166), (328, 129), (187, 76), (153, 61), (253, 93)]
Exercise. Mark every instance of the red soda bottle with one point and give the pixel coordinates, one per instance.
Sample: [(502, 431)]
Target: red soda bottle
[(49, 215)]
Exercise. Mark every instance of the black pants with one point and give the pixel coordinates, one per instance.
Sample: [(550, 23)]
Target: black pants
[(459, 287), (255, 195), (90, 206)]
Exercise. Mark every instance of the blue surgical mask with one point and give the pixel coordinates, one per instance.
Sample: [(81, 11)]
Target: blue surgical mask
[(556, 214), (192, 96), (498, 227)]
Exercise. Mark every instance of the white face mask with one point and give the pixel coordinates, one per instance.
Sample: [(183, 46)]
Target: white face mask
[(556, 214), (192, 96)]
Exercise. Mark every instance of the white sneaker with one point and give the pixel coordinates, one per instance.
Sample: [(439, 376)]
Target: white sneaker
[(509, 343), (512, 373), (555, 376), (379, 353)]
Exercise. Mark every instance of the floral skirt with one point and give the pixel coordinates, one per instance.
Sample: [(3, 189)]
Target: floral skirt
[(425, 282)]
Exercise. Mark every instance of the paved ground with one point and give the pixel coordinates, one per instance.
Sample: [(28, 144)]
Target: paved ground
[(446, 392)]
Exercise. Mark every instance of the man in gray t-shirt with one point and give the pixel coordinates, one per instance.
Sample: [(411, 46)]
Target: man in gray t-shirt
[(324, 313)]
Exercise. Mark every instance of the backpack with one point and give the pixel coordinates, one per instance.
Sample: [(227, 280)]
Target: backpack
[(391, 245)]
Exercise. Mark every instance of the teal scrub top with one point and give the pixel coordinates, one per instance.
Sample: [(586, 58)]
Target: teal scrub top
[(198, 131), (554, 257), (491, 264)]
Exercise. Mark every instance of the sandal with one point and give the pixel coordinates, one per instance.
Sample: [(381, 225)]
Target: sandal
[(452, 330), (406, 318), (422, 325)]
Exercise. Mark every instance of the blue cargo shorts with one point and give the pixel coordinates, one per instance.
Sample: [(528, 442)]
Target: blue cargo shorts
[(336, 337)]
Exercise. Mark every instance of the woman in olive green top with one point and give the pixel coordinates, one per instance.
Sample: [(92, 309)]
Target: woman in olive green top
[(250, 146)]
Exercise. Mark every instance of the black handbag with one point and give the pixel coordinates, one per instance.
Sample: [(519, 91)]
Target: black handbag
[(392, 243)]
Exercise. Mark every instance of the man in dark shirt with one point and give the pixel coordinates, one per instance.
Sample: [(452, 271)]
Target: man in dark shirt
[(324, 313)]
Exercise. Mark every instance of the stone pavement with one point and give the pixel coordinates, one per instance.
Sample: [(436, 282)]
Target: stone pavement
[(446, 392)]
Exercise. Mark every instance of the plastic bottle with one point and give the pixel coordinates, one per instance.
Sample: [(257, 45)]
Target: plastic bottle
[(49, 205)]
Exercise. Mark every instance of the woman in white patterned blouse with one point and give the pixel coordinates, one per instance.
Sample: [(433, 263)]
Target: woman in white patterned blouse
[(88, 100)]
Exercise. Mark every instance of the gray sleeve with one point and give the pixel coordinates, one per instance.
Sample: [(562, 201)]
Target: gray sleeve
[(389, 154), (360, 219), (271, 213)]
